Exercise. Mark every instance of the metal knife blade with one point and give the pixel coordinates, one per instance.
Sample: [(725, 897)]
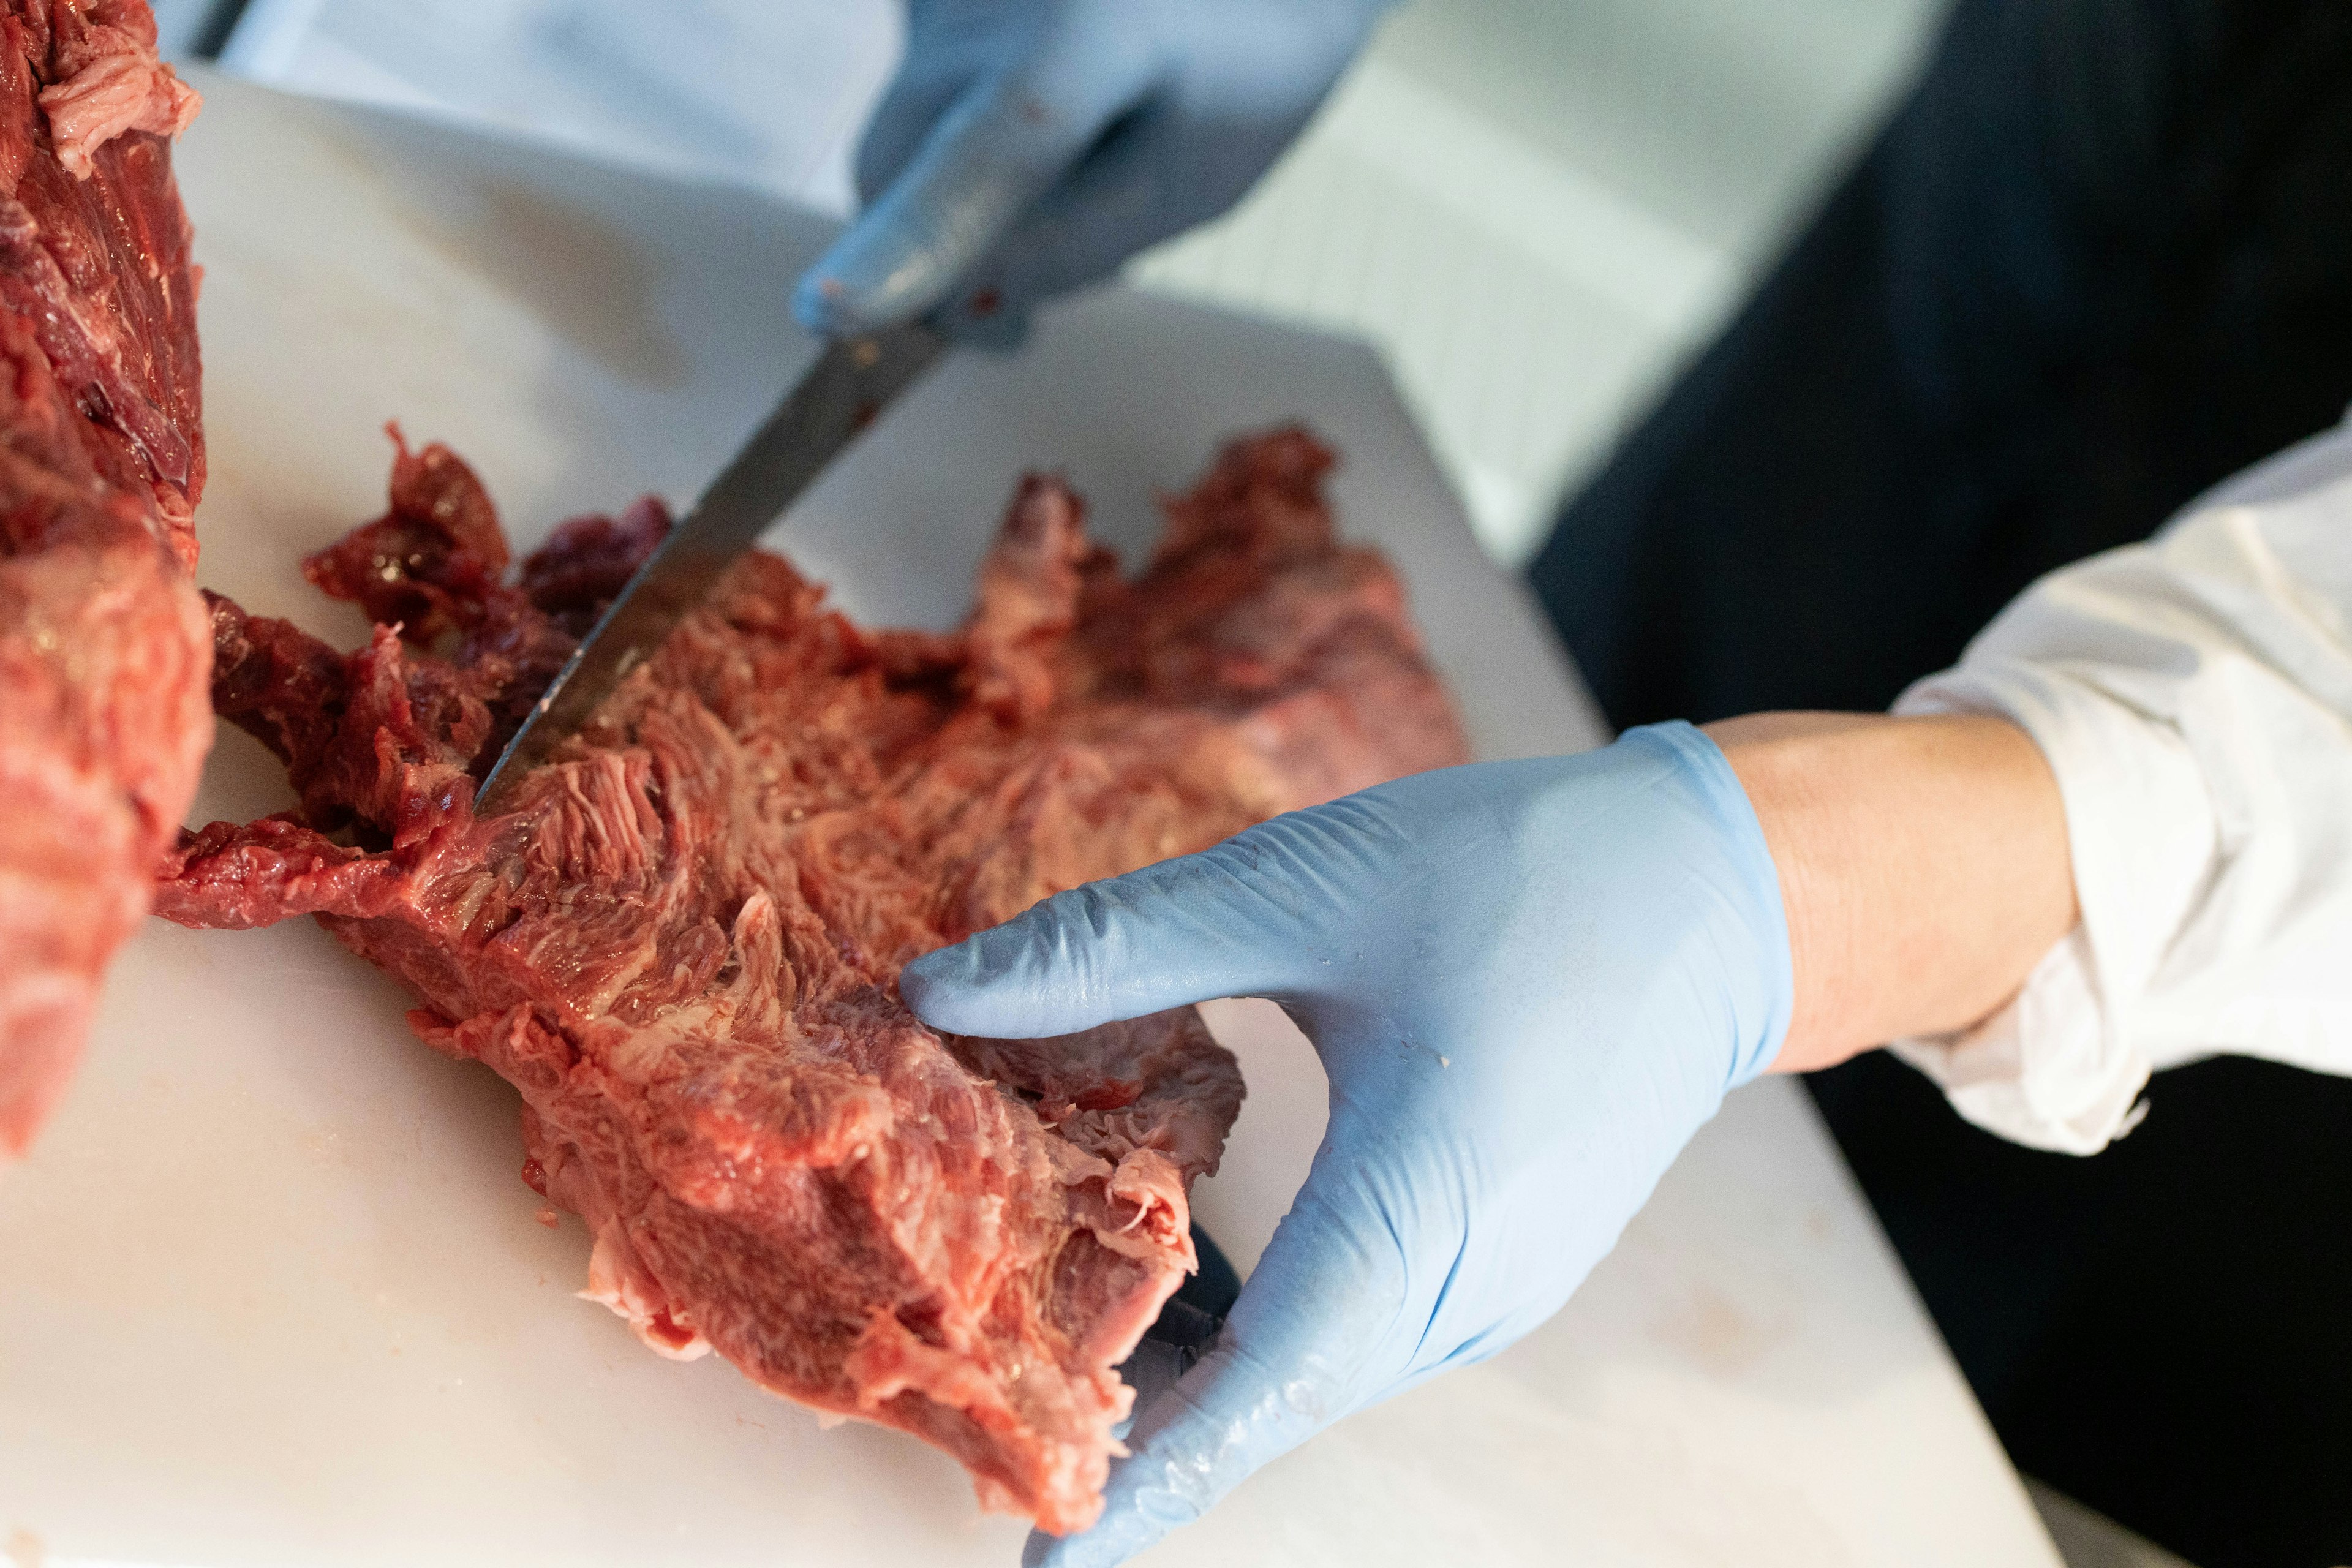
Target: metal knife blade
[(842, 392)]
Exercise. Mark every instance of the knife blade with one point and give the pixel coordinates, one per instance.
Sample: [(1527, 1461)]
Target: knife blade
[(852, 382)]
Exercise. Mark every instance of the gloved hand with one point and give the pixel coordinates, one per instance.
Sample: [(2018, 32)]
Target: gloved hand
[(1529, 983), (1028, 146)]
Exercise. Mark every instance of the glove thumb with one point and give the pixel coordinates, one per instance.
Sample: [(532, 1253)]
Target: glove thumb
[(1313, 1336)]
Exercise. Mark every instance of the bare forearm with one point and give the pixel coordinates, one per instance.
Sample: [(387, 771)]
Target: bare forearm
[(1923, 867)]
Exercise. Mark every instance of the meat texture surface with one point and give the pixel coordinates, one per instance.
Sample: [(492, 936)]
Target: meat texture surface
[(682, 944), (104, 649)]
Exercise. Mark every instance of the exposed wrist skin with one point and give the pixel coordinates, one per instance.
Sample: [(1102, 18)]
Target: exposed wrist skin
[(1924, 869)]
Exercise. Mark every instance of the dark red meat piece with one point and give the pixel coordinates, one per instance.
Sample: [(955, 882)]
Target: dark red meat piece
[(104, 650), (431, 563)]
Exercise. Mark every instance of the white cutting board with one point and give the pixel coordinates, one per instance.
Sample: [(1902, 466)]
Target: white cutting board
[(270, 1290)]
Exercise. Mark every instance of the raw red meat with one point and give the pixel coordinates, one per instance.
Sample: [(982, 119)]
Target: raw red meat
[(104, 645), (683, 943)]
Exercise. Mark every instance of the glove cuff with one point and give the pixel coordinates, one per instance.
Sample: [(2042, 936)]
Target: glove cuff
[(1748, 880)]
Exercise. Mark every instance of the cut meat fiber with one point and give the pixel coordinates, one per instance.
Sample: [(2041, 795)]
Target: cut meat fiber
[(682, 944), (104, 649)]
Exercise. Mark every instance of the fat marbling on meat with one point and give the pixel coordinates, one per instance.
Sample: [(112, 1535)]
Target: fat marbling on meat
[(682, 944)]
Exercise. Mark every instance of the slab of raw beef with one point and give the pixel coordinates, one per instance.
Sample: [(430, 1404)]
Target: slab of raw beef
[(683, 943), (104, 648)]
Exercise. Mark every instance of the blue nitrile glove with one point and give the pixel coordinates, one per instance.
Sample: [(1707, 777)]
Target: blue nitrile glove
[(1529, 983), (1028, 146)]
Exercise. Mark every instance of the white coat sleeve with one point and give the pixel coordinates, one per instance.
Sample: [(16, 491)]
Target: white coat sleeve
[(2194, 697)]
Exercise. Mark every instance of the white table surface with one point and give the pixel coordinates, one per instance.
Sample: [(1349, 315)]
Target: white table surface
[(270, 1290)]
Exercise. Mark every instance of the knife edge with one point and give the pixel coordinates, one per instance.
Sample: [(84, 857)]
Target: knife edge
[(841, 395)]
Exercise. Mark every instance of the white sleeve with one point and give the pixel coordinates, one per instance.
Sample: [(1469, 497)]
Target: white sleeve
[(2194, 697)]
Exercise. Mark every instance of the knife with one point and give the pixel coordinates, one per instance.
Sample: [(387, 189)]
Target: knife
[(852, 382)]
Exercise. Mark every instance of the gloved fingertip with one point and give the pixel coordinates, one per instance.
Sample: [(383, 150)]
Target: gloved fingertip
[(813, 301), (939, 984), (828, 305), (968, 989), (1115, 949)]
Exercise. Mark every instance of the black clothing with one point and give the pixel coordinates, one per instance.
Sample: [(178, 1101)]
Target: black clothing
[(2100, 259)]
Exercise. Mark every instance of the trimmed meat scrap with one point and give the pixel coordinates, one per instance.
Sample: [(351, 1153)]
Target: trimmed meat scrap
[(682, 946), (104, 645)]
